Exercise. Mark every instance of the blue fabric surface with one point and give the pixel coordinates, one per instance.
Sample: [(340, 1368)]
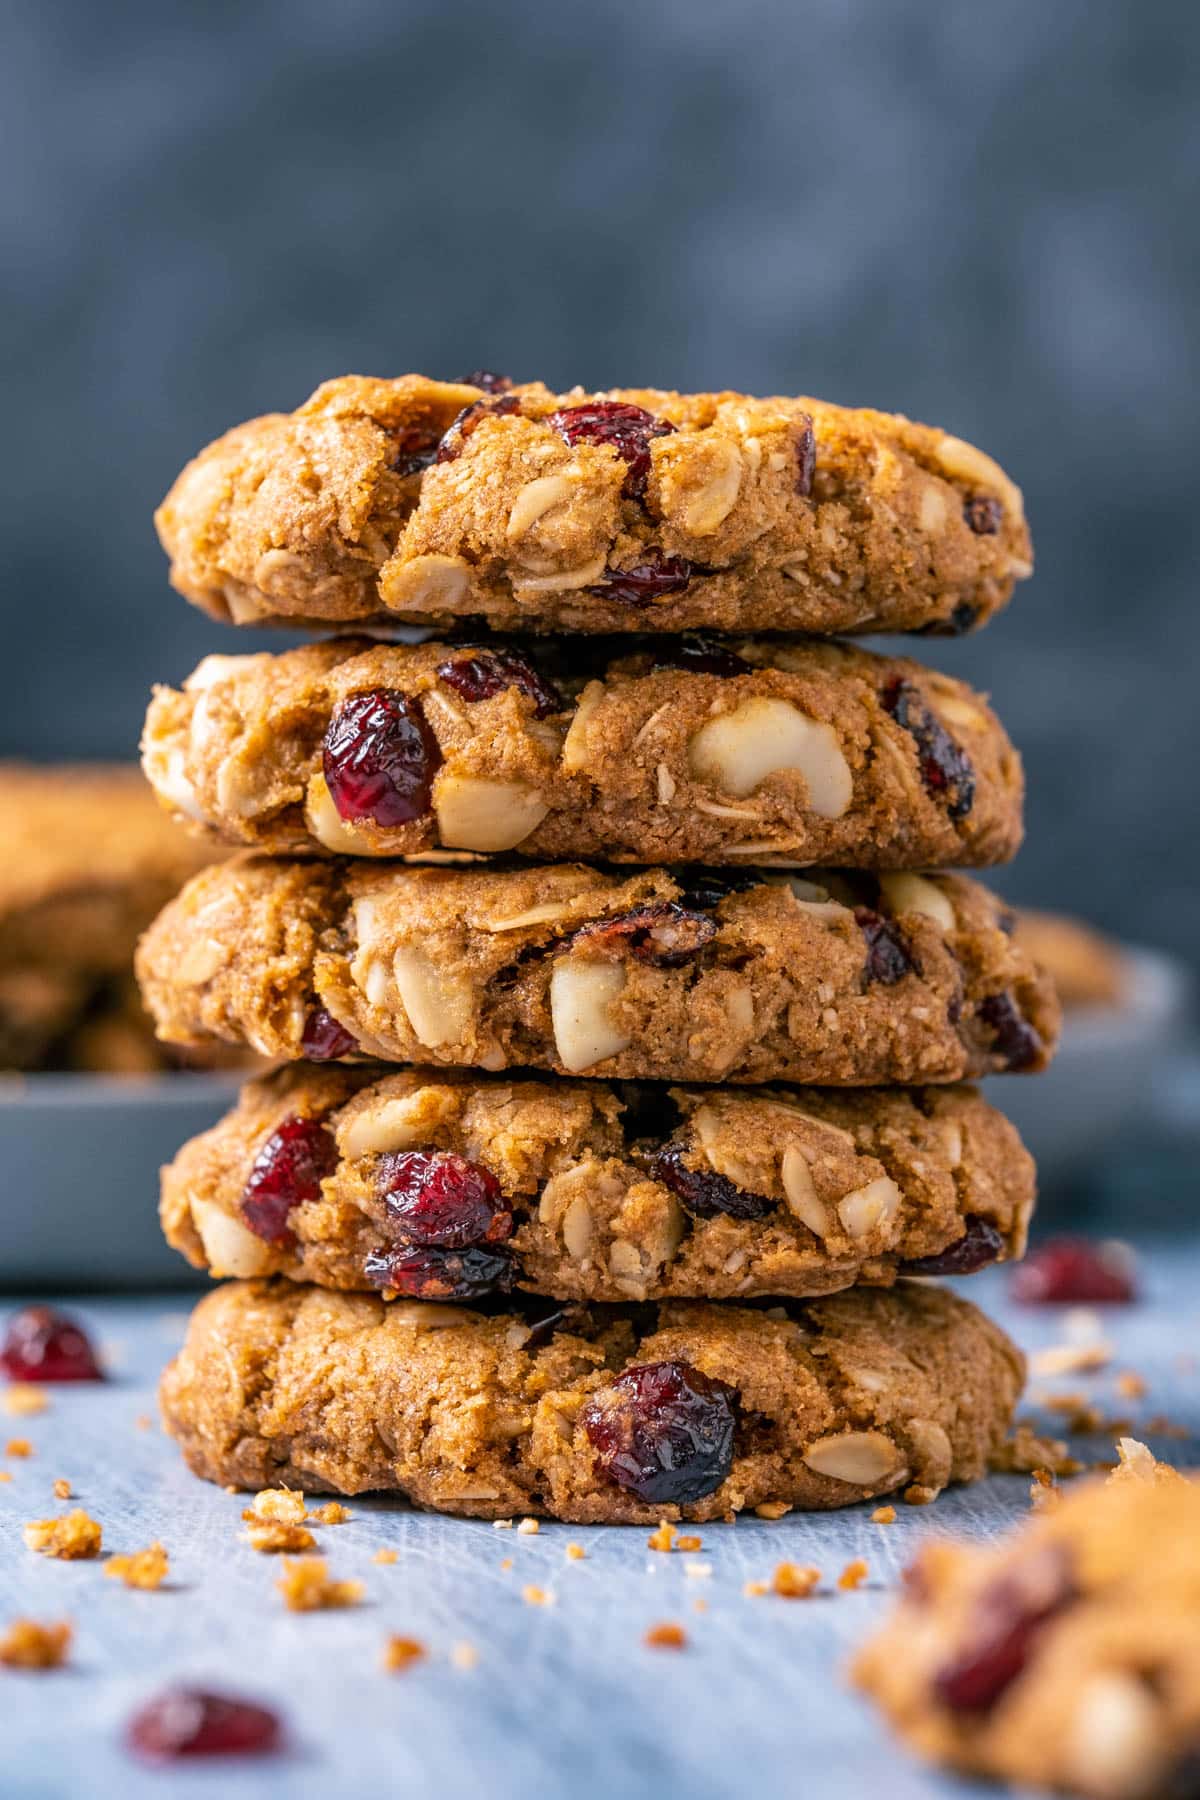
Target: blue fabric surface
[(564, 1698)]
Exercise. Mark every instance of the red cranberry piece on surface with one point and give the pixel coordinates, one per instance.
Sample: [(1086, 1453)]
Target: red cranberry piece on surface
[(983, 514), (648, 580), (806, 460), (704, 1193), (1015, 1039), (324, 1039), (287, 1171), (486, 379), (416, 447), (1070, 1271), (663, 1432), (701, 655), (666, 933), (470, 419), (945, 767), (424, 1272), (380, 758), (41, 1344), (624, 428), (192, 1722), (481, 673), (979, 1245), (1007, 1618), (889, 958), (436, 1197)]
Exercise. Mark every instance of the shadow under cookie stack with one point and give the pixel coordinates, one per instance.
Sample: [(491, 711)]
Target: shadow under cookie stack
[(605, 1140)]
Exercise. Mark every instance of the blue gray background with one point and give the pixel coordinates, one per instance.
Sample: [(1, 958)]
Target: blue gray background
[(982, 215)]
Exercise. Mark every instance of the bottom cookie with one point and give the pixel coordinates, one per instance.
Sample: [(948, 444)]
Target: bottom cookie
[(589, 1413)]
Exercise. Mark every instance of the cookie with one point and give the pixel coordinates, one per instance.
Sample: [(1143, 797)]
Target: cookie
[(604, 1414), (696, 976), (1087, 968), (688, 750), (1066, 1657), (451, 1187), (433, 502)]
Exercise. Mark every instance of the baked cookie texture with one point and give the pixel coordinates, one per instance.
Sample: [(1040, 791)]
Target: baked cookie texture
[(360, 1178), (687, 751), (633, 509), (1067, 1657), (856, 980), (683, 1410)]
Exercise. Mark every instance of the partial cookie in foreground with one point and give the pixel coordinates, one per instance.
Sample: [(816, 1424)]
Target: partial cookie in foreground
[(451, 1187), (687, 750), (1067, 1657), (608, 1414), (433, 502), (703, 976), (1087, 968)]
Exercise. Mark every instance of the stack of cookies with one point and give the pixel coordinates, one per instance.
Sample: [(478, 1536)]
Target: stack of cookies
[(608, 1117)]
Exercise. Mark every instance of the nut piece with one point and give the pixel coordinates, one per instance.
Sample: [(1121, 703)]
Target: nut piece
[(535, 499), (700, 506), (738, 750), (577, 1228), (439, 1008), (1114, 1739), (584, 576), (485, 815), (327, 825), (426, 584), (428, 1315), (229, 1249), (802, 1196), (861, 1458), (390, 1124), (963, 462), (875, 1205), (574, 748), (916, 894), (580, 995)]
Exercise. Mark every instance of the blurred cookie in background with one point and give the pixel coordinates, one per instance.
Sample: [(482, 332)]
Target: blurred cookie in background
[(1087, 968)]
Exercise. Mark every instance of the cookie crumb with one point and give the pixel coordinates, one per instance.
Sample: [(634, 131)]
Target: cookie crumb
[(1137, 1463), (884, 1515), (506, 1565), (1044, 1494), (143, 1422), (575, 1553), (502, 1524), (5, 1474), (279, 1506), (386, 1556), (794, 1581), (306, 1587), (28, 1645), (854, 1574), (754, 1590), (537, 1596), (689, 1542), (271, 1536), (772, 1509), (528, 1528), (700, 1604), (1025, 1450), (697, 1571), (667, 1636), (663, 1538), (142, 1568), (62, 1489), (70, 1538), (23, 1400), (918, 1495), (1071, 1359), (401, 1653), (18, 1447), (333, 1514), (464, 1656)]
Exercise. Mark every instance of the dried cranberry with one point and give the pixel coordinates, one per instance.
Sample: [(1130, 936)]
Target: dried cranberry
[(648, 580), (945, 768), (470, 419), (983, 514), (704, 1193), (979, 1245), (193, 1722), (287, 1171), (624, 428), (380, 758), (806, 460), (427, 1273), (488, 381), (663, 1431), (700, 655), (436, 1197), (1070, 1271), (41, 1344), (324, 1039), (666, 933), (416, 447), (705, 888), (482, 673), (889, 958), (1015, 1039), (959, 621), (1006, 1620)]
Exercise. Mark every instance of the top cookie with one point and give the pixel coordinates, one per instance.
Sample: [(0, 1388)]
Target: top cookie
[(631, 510)]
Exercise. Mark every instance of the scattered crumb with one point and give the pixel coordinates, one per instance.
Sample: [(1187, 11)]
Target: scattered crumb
[(729, 1518), (884, 1515), (141, 1569), (28, 1645), (536, 1596), (18, 1447), (333, 1514), (854, 1574), (23, 1400), (772, 1509), (143, 1422), (753, 1590), (528, 1528), (667, 1636), (918, 1495), (697, 1571), (575, 1553), (386, 1556), (1044, 1493), (506, 1565), (271, 1536), (502, 1524), (306, 1587), (689, 1542), (70, 1538), (464, 1656), (794, 1581), (700, 1604), (281, 1506), (62, 1488), (1024, 1451), (1137, 1463), (1071, 1359), (5, 1474), (401, 1653), (1158, 1425), (663, 1538), (1081, 1323), (1130, 1385)]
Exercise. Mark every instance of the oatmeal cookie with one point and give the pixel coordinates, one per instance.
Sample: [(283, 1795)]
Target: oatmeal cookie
[(453, 1186), (611, 1414), (433, 502), (688, 750), (854, 980), (1088, 969), (1067, 1657)]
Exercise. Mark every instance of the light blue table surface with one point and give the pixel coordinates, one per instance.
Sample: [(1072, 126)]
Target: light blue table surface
[(564, 1699)]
